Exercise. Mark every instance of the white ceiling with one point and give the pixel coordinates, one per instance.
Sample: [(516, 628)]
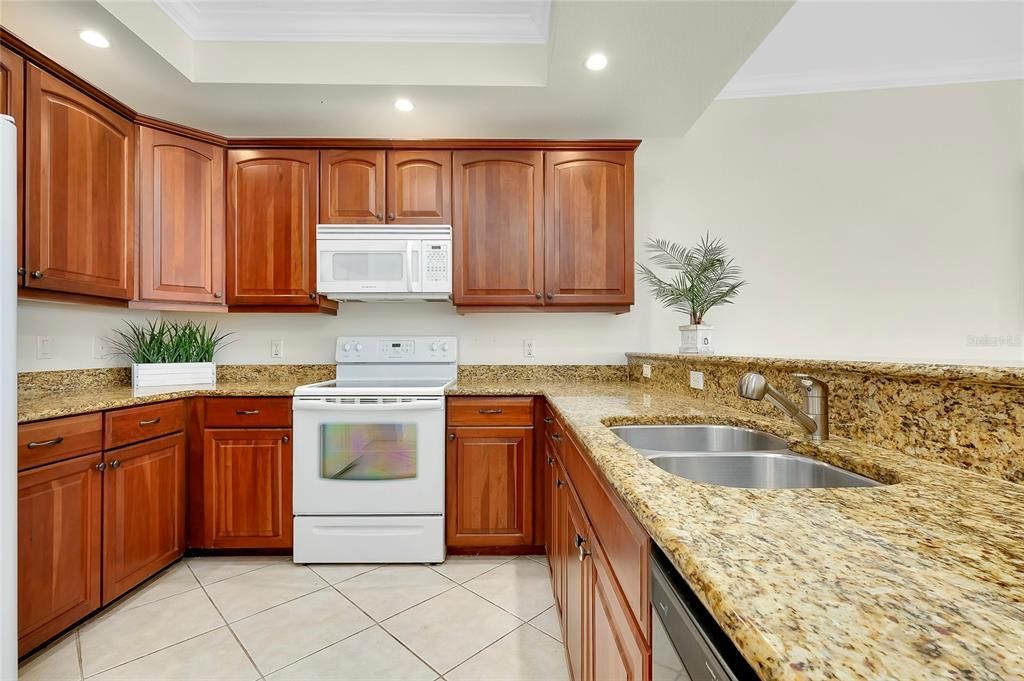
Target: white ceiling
[(667, 61), (835, 46), (362, 21)]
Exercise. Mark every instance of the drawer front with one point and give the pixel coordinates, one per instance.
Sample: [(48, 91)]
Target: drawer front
[(48, 441), (490, 411), (126, 426), (248, 412), (554, 432)]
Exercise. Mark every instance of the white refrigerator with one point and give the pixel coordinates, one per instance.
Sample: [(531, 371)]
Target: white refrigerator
[(8, 402)]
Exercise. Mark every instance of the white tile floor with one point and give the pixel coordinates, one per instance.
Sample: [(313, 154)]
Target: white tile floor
[(248, 618)]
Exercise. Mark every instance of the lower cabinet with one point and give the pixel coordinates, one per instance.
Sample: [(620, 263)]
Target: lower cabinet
[(618, 650), (577, 581), (143, 512), (247, 488), (59, 530)]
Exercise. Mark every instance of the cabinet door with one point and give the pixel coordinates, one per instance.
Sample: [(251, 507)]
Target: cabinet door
[(557, 532), (617, 648), (419, 188), (80, 184), (588, 228), (181, 240), (489, 487), (59, 517), (576, 595), (497, 247), (247, 488), (143, 512), (12, 103), (352, 187), (272, 196)]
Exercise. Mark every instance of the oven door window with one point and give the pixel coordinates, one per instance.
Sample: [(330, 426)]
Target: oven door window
[(367, 451)]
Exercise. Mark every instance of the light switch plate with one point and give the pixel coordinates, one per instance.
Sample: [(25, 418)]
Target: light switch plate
[(697, 380), (646, 370), (277, 348)]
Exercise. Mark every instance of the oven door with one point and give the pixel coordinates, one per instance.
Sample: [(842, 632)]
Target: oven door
[(367, 265), (368, 455)]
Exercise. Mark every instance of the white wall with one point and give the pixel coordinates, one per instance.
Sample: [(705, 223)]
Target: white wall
[(874, 225)]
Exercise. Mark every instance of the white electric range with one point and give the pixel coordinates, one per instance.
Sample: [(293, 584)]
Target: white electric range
[(369, 453)]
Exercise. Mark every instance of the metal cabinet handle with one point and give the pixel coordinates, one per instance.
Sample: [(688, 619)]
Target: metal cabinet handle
[(557, 437), (551, 461), (47, 443), (37, 274), (550, 295), (115, 464), (284, 439), (580, 541), (583, 553), (538, 295), (217, 294), (548, 419), (100, 466), (21, 271), (149, 422), (312, 295), (380, 217), (489, 411), (451, 437), (559, 483), (391, 216), (247, 412)]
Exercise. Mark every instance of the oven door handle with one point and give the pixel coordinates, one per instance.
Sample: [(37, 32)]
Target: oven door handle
[(318, 405)]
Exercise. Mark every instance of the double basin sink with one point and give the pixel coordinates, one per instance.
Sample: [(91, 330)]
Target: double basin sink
[(731, 456)]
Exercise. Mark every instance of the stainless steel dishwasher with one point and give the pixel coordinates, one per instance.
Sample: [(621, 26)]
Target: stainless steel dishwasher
[(687, 644)]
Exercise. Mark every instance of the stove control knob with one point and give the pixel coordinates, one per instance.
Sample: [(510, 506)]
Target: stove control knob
[(359, 347), (444, 347), (433, 347), (346, 347)]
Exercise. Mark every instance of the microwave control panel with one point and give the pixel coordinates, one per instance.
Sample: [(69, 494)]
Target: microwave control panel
[(437, 258)]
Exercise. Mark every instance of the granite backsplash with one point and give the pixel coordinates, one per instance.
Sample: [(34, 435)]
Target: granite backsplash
[(970, 417)]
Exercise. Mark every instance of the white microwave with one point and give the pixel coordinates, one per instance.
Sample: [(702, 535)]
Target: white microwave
[(356, 262)]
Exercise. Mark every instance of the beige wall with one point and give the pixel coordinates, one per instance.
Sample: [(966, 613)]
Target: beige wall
[(880, 224)]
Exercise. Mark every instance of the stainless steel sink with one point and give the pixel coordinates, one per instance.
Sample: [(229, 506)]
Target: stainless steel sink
[(731, 456), (759, 470), (652, 440)]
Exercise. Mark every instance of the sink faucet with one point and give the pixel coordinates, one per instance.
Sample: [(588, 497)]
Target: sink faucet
[(814, 416)]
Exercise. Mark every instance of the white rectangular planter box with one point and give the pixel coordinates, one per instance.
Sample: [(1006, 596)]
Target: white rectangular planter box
[(696, 339), (175, 374)]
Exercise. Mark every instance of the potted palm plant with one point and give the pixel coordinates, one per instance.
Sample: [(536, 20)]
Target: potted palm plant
[(705, 277), (169, 353)]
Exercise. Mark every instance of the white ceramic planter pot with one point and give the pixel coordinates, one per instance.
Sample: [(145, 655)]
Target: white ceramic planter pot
[(696, 339), (173, 374)]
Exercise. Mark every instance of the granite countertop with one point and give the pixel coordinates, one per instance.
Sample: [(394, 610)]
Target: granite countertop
[(920, 578)]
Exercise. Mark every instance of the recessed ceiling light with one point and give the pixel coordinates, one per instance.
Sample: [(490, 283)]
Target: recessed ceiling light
[(94, 38), (596, 62), (403, 104)]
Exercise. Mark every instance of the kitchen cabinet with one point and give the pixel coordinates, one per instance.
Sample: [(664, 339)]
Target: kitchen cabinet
[(143, 511), (588, 228), (80, 192), (59, 554), (271, 228), (12, 103), (352, 186), (489, 487), (247, 488), (419, 187), (576, 579), (181, 230), (497, 236), (617, 649)]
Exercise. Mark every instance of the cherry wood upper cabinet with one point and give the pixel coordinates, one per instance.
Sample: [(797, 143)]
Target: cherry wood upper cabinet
[(497, 222), (490, 487), (352, 187), (143, 512), (80, 184), (12, 103), (419, 188), (181, 240), (247, 495), (588, 227), (58, 547), (271, 227)]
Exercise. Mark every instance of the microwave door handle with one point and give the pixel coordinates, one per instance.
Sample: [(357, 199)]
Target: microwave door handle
[(413, 252)]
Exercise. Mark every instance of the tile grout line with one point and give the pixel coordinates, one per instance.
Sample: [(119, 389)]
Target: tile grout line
[(487, 647), (224, 579), (474, 576), (320, 588), (78, 650), (531, 624)]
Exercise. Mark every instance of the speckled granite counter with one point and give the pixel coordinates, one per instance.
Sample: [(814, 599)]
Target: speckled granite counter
[(919, 579)]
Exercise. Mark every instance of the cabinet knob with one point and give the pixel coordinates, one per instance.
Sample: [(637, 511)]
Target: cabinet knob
[(100, 466), (115, 464), (551, 461), (548, 419), (391, 216), (21, 271), (557, 437), (550, 295), (218, 294), (284, 439), (538, 295), (37, 274), (312, 295), (559, 483), (451, 437), (580, 541), (380, 217)]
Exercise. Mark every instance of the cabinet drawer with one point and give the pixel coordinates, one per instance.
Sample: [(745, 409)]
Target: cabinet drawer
[(48, 441), (490, 411), (248, 412), (554, 432), (125, 426)]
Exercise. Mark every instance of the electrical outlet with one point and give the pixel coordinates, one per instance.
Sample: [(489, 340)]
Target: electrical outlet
[(697, 380), (646, 370), (44, 347), (277, 348), (101, 348), (529, 348)]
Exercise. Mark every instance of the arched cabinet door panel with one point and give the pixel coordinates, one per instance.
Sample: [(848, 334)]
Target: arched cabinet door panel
[(419, 188), (352, 186)]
